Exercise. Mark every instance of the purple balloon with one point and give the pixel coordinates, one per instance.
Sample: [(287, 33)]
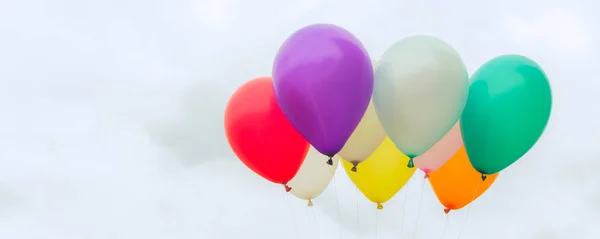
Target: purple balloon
[(323, 82)]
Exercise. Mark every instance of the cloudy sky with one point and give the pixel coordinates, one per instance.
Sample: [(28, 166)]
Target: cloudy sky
[(112, 110)]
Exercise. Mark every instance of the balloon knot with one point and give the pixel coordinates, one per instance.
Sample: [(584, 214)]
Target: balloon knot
[(330, 161), (353, 169), (426, 175), (287, 188), (379, 206), (446, 210), (411, 163), (310, 203), (483, 177)]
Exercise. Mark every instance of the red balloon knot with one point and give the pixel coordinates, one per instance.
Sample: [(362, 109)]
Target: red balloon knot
[(287, 188)]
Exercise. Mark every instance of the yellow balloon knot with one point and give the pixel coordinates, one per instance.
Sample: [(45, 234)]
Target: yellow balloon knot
[(310, 203), (379, 206)]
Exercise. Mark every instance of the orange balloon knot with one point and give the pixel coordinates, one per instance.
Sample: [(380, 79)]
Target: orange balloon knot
[(379, 206), (330, 161), (426, 176), (354, 167), (483, 177), (287, 188), (310, 203), (446, 210), (411, 163)]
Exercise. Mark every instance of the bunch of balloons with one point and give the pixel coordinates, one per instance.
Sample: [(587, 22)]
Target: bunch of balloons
[(415, 106)]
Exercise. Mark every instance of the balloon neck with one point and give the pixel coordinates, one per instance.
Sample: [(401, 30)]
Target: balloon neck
[(446, 210), (353, 169), (411, 163), (310, 204), (330, 161), (379, 206), (287, 188), (426, 176), (483, 177)]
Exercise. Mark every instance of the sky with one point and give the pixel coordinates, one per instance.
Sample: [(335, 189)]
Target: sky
[(112, 120)]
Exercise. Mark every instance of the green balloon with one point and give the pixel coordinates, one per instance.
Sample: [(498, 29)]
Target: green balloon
[(507, 111)]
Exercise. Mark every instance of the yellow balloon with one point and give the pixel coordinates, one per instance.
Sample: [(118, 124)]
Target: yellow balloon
[(383, 174)]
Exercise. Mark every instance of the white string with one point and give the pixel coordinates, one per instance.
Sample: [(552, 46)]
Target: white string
[(293, 216), (337, 202), (358, 212), (377, 224), (315, 224), (403, 212), (469, 210), (419, 208), (445, 225)]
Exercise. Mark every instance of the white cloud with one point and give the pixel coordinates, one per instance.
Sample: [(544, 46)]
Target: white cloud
[(557, 31)]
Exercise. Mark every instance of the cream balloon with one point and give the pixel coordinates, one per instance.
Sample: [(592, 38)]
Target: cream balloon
[(314, 176), (441, 152), (365, 139), (421, 88)]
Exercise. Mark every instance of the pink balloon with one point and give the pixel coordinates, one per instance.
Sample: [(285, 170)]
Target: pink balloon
[(441, 152)]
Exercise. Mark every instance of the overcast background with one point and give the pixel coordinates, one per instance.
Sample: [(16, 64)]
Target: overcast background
[(111, 120)]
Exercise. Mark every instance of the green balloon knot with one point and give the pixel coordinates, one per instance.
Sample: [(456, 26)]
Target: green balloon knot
[(483, 177), (411, 163)]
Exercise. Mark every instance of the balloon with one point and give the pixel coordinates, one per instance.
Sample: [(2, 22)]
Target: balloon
[(323, 81), (421, 86), (382, 175), (507, 111), (314, 176), (457, 183), (260, 135), (366, 138), (441, 152)]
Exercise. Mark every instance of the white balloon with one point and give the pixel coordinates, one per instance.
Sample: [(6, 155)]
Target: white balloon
[(314, 176), (367, 136), (421, 88)]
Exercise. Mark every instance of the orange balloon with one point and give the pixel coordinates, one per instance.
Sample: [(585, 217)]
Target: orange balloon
[(457, 183)]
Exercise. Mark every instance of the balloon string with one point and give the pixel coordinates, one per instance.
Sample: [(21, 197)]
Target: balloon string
[(419, 208), (308, 216), (445, 225), (377, 224), (469, 209), (293, 216), (337, 202), (314, 220), (403, 211), (358, 212)]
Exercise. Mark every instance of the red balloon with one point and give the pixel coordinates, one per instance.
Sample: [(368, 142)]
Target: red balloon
[(260, 135)]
